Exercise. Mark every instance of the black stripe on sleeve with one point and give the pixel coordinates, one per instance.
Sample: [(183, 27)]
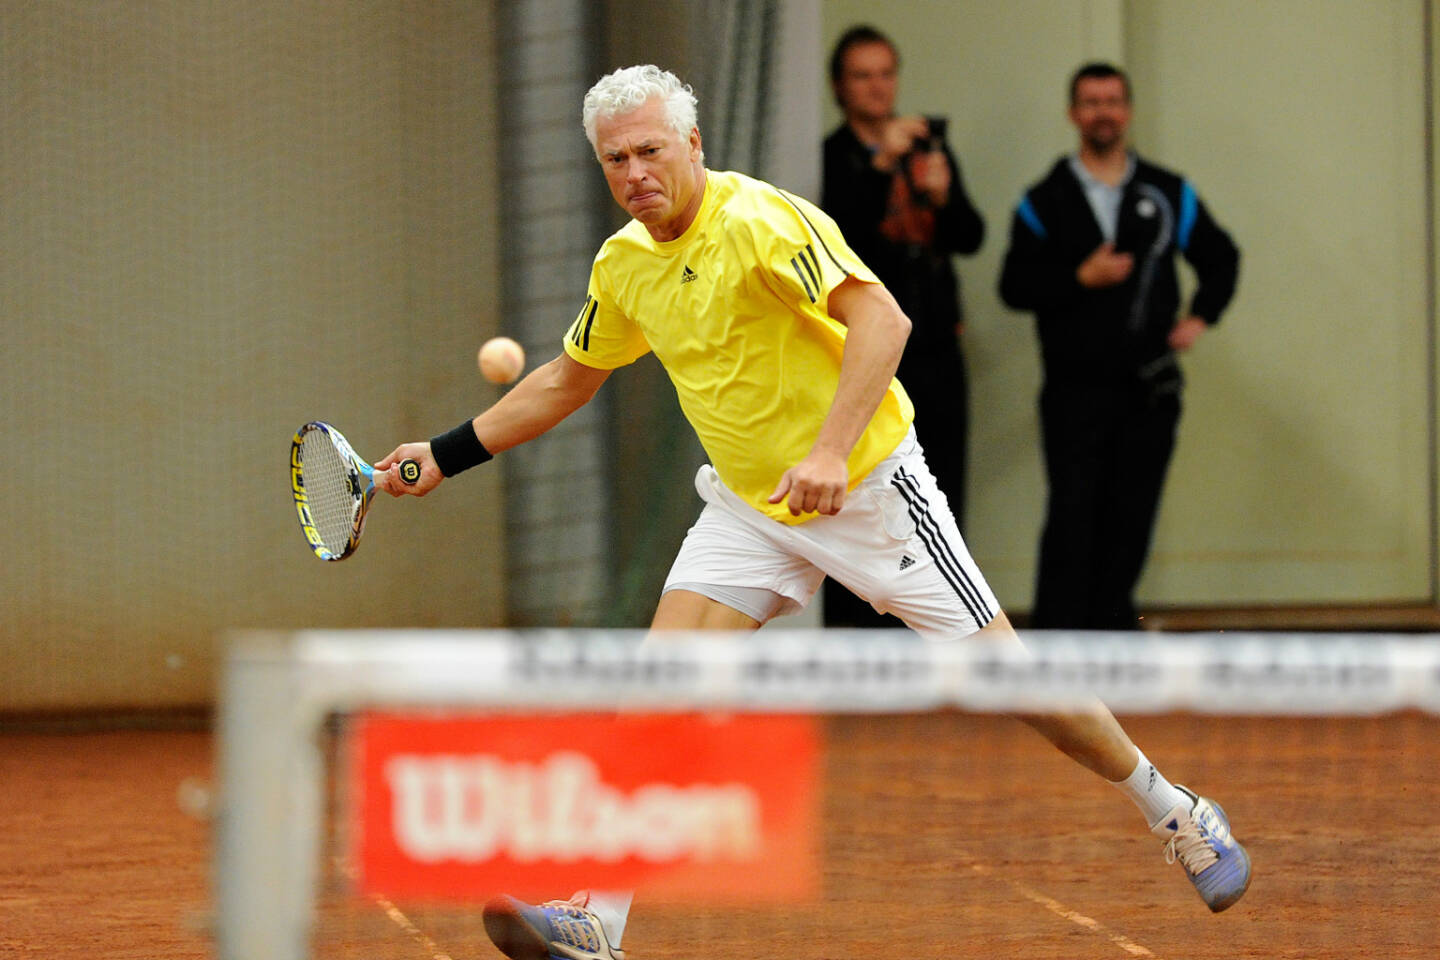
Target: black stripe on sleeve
[(813, 270), (838, 265), (589, 322), (574, 334), (803, 282)]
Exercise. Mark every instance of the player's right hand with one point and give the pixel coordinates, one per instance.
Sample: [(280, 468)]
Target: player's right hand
[(387, 479), (816, 484)]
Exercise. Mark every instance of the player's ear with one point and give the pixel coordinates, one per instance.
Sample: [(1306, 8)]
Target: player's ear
[(695, 149)]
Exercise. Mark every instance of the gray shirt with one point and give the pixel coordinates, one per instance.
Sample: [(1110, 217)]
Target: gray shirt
[(1104, 199)]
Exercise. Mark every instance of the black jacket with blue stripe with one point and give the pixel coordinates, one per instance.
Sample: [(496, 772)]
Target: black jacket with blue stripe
[(1088, 332)]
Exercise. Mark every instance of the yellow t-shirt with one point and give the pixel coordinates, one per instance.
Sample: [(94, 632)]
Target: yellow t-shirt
[(735, 310)]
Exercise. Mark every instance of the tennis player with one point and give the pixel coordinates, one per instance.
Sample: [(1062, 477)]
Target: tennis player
[(782, 347)]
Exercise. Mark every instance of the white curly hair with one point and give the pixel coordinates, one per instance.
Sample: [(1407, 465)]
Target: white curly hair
[(630, 88)]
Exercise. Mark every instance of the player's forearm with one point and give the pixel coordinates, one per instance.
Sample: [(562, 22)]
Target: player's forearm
[(549, 394), (873, 344)]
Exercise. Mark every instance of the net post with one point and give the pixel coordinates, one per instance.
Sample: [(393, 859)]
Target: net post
[(268, 843)]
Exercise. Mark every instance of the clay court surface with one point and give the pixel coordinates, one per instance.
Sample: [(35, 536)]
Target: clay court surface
[(946, 836)]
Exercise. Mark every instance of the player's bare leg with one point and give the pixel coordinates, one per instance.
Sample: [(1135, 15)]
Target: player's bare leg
[(1093, 738), (687, 610), (1195, 828)]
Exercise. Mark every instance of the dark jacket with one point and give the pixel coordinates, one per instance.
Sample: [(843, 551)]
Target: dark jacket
[(1121, 329), (921, 278)]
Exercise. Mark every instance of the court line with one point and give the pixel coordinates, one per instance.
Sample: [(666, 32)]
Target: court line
[(1049, 903), (1064, 912), (404, 923), (396, 915)]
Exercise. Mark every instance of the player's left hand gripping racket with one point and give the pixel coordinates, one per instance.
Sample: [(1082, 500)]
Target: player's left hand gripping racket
[(333, 488)]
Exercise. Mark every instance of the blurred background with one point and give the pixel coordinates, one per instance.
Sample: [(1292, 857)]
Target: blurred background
[(219, 221)]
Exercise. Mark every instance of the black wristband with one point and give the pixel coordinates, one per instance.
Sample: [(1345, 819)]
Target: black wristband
[(458, 450)]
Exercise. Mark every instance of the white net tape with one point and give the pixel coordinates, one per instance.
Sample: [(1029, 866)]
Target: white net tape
[(839, 671)]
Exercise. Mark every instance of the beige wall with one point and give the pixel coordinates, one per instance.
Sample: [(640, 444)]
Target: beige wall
[(1303, 472), (1434, 175), (221, 221)]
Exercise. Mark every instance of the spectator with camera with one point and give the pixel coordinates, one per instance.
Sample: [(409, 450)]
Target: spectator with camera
[(894, 188)]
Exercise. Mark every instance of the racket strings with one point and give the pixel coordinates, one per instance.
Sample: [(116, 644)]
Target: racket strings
[(330, 488)]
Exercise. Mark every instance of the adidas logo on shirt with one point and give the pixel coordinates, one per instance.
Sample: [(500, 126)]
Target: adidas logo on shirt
[(906, 562), (688, 274)]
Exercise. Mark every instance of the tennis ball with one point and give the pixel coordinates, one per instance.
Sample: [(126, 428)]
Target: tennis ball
[(501, 360)]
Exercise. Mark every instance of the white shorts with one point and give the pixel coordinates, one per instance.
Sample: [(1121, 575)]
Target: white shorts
[(894, 543)]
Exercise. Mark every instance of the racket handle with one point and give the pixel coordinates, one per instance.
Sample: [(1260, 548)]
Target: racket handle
[(409, 471)]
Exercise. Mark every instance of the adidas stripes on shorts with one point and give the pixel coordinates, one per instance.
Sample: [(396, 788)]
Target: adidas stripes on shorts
[(894, 543)]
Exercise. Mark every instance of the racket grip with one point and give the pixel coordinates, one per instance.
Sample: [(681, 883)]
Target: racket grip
[(409, 471)]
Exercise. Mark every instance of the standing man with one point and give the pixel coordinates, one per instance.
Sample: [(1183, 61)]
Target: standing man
[(895, 191), (1092, 254), (782, 347)]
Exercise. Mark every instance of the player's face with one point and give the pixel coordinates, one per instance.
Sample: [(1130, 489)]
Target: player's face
[(1101, 112), (868, 81), (653, 172)]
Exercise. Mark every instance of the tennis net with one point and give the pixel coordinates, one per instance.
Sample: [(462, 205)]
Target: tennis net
[(819, 794)]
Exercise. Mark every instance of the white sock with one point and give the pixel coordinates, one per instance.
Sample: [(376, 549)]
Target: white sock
[(1152, 793), (611, 908)]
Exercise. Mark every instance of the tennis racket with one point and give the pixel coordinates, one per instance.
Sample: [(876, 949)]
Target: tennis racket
[(333, 488)]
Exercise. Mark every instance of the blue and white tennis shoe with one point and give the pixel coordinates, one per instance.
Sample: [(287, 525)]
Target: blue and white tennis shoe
[(557, 930), (1198, 835)]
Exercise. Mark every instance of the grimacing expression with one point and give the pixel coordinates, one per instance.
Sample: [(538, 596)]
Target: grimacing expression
[(1101, 111), (650, 168), (869, 80)]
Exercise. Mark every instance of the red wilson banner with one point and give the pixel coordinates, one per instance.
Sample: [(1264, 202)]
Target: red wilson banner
[(677, 807)]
